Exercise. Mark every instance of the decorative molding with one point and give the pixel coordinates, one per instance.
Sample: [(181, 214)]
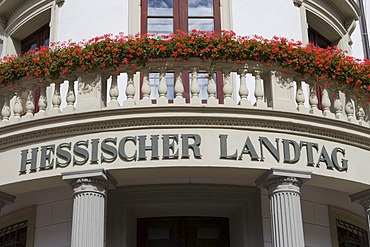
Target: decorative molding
[(183, 122), (277, 177), (91, 181), (59, 3), (362, 198), (5, 199), (16, 7), (298, 3)]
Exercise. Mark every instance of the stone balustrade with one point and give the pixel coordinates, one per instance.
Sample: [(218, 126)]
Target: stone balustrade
[(195, 82)]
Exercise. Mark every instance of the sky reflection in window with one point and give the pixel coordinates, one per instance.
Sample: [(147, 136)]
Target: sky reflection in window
[(160, 7), (200, 8)]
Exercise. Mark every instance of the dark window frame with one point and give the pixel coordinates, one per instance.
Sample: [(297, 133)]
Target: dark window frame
[(180, 22), (40, 36)]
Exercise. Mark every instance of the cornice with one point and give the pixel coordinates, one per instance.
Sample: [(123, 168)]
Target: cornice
[(260, 121), (15, 8)]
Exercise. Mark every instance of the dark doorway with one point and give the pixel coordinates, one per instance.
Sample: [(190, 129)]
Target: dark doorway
[(183, 232)]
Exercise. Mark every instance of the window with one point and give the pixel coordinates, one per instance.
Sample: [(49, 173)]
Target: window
[(317, 39), (183, 232), (350, 235), (37, 39), (167, 16), (14, 235), (348, 229), (17, 229)]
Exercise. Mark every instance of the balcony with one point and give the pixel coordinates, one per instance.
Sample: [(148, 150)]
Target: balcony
[(245, 89)]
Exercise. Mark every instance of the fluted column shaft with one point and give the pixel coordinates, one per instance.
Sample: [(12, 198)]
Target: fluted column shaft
[(285, 206), (285, 211), (89, 192)]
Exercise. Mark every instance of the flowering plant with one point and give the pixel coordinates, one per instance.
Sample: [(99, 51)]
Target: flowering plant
[(327, 66)]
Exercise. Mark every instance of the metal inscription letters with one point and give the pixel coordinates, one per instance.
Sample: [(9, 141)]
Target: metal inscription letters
[(174, 146)]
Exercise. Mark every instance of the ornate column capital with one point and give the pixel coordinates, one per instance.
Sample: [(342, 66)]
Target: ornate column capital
[(90, 181), (362, 198), (5, 199), (278, 180), (59, 3), (298, 3)]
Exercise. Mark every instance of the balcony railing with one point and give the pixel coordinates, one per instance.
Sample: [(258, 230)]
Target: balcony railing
[(248, 85)]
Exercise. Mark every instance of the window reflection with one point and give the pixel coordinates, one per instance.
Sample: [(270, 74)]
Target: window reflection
[(160, 7), (201, 24), (200, 8), (160, 26)]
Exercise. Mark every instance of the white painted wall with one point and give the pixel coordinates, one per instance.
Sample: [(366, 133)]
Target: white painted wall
[(85, 19), (53, 215), (357, 49), (266, 18)]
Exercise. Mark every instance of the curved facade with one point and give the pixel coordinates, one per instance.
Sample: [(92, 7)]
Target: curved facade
[(173, 153)]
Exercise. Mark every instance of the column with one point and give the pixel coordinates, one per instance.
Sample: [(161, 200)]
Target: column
[(285, 206), (5, 199), (89, 191), (363, 198)]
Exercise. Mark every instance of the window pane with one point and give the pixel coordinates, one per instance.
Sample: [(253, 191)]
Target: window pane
[(205, 24), (200, 8), (160, 26), (160, 7)]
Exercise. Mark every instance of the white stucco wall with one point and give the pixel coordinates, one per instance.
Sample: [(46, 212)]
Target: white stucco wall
[(85, 19), (267, 18), (53, 224)]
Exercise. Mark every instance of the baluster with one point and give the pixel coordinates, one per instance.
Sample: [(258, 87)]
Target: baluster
[(162, 88), (145, 89), (314, 101), (5, 111), (130, 90), (349, 109), (299, 98), (42, 103), (113, 92), (326, 103), (30, 106), (243, 90), (228, 88), (211, 89), (195, 88), (70, 98), (56, 100), (338, 106), (18, 108), (360, 114), (258, 91), (179, 88)]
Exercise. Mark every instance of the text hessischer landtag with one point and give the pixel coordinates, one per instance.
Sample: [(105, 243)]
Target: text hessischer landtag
[(176, 146)]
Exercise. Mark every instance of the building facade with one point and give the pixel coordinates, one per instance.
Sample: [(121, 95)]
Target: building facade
[(200, 153)]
